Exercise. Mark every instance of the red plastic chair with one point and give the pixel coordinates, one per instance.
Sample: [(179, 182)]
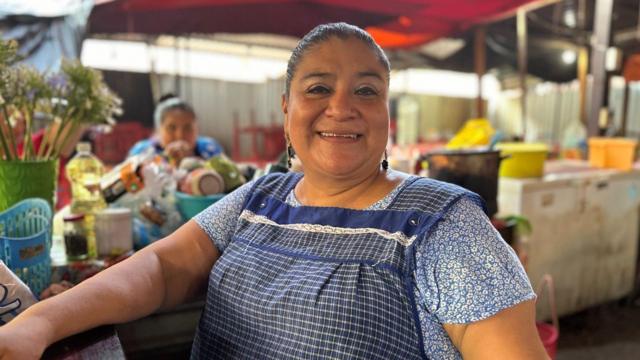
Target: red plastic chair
[(549, 333)]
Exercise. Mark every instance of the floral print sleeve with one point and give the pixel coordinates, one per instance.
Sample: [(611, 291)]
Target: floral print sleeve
[(219, 220), (465, 271)]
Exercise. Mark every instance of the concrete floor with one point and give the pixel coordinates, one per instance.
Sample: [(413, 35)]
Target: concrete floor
[(609, 331)]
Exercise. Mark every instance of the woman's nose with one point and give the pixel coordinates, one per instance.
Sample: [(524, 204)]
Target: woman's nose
[(179, 134), (340, 106)]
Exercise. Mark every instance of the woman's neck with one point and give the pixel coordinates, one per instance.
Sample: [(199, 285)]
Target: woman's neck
[(353, 193)]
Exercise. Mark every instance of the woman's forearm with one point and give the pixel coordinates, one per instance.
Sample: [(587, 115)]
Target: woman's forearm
[(126, 291), (161, 275)]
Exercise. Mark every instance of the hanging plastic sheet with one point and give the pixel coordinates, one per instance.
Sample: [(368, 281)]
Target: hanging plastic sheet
[(46, 31)]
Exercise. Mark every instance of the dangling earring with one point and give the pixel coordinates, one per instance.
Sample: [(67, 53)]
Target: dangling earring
[(385, 163), (290, 154)]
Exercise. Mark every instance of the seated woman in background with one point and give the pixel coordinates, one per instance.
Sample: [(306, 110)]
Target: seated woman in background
[(177, 133)]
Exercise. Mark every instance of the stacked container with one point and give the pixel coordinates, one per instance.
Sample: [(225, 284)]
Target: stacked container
[(615, 153)]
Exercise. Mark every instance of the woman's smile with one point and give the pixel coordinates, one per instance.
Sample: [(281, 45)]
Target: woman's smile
[(340, 137)]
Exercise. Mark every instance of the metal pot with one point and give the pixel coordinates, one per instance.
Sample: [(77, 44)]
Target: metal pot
[(475, 170)]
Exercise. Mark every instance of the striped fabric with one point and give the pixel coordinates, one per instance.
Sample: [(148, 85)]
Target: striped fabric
[(318, 283)]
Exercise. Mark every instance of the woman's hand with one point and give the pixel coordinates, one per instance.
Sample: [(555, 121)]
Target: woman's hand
[(178, 150), (22, 340)]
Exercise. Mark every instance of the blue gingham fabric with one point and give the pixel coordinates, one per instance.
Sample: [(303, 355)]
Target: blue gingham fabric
[(308, 282)]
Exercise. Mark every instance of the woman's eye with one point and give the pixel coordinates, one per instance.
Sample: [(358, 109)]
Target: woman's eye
[(171, 128), (366, 91), (318, 89)]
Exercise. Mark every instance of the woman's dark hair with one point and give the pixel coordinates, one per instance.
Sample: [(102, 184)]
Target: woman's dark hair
[(166, 97), (169, 102), (323, 33)]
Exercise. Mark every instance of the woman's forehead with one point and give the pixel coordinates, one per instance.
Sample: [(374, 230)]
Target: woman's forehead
[(174, 115), (335, 53)]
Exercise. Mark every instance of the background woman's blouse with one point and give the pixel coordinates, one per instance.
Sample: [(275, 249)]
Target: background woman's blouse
[(465, 272), (206, 147)]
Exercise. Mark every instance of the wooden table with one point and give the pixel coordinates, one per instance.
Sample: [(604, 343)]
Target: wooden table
[(99, 343)]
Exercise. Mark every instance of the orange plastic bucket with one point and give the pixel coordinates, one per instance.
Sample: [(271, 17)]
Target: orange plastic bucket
[(615, 153), (549, 333)]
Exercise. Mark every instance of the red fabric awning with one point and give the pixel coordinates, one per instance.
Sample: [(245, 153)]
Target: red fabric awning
[(398, 23)]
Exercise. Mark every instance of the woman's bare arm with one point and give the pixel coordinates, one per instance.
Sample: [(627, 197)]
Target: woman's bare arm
[(162, 275), (510, 334)]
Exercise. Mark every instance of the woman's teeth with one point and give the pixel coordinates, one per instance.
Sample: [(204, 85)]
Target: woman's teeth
[(349, 136)]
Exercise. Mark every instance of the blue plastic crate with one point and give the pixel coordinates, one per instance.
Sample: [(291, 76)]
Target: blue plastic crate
[(25, 242)]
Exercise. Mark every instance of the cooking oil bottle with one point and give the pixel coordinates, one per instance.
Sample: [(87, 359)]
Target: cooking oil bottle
[(84, 172)]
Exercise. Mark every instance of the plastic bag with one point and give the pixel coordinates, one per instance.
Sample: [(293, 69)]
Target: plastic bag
[(228, 170), (15, 296), (153, 206), (475, 132)]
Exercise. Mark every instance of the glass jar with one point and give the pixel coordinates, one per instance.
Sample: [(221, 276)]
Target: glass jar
[(75, 237)]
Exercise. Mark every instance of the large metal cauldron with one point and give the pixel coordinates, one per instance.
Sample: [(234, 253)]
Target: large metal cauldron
[(475, 170)]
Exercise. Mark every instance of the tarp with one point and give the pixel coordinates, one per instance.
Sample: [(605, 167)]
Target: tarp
[(46, 32), (397, 23), (41, 9)]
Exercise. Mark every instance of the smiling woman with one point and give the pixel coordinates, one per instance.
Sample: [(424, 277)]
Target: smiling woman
[(350, 260)]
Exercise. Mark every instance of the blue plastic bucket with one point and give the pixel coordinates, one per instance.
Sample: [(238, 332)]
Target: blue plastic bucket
[(190, 205)]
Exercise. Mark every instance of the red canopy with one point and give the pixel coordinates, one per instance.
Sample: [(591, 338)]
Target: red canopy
[(397, 23)]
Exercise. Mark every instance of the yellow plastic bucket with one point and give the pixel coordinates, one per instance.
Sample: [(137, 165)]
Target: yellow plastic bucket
[(523, 160)]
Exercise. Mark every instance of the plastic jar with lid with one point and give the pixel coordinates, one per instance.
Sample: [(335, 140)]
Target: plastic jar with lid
[(75, 237), (114, 231)]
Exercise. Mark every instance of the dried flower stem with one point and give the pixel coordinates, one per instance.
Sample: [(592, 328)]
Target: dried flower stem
[(14, 149), (7, 153), (65, 141), (5, 145), (63, 124), (45, 143), (27, 143)]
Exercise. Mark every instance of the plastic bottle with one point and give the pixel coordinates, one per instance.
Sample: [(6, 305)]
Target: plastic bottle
[(84, 172), (127, 177), (122, 179)]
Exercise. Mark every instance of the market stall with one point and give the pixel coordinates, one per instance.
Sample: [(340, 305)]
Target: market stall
[(582, 216)]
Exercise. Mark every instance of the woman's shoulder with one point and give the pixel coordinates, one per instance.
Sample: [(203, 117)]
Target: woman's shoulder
[(277, 184), (430, 195), (141, 146), (465, 242)]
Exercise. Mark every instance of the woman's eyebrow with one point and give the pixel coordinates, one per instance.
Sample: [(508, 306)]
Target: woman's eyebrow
[(360, 74), (316, 74), (374, 74)]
